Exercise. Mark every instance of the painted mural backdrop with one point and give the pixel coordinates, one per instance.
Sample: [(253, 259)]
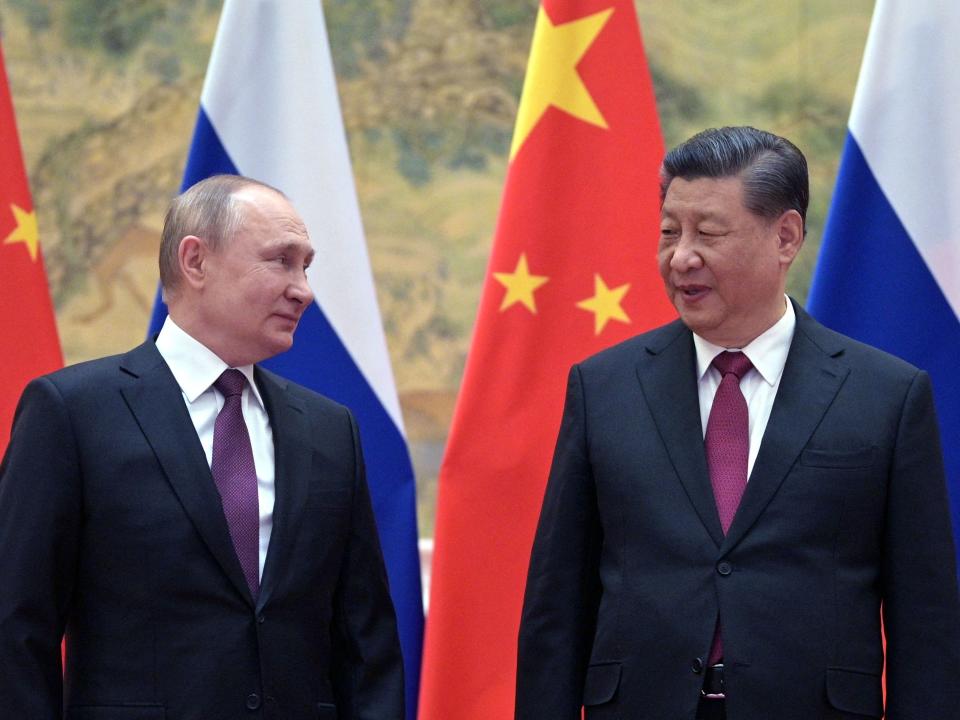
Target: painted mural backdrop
[(106, 95)]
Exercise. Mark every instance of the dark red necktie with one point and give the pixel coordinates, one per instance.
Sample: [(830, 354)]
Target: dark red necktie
[(727, 444), (235, 476)]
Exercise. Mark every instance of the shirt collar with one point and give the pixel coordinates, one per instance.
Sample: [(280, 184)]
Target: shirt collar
[(194, 366), (768, 351)]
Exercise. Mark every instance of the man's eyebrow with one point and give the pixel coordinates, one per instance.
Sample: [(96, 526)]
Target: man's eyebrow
[(288, 246)]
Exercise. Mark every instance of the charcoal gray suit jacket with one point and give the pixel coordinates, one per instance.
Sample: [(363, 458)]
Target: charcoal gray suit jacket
[(112, 532), (845, 512)]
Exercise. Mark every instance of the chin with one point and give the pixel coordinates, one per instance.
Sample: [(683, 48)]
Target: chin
[(690, 315), (699, 323), (274, 345), (282, 344)]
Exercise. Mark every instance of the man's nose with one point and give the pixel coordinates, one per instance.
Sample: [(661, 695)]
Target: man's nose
[(300, 291), (685, 255)]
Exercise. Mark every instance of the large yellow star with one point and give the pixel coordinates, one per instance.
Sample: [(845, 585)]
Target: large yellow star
[(605, 304), (552, 77), (25, 231), (520, 285)]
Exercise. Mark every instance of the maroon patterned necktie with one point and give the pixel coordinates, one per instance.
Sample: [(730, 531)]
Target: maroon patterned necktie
[(727, 443), (235, 476)]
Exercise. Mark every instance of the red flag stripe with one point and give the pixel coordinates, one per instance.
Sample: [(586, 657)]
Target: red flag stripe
[(580, 208), (28, 335)]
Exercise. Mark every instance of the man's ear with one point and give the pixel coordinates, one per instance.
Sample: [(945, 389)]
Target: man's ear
[(191, 256), (790, 236)]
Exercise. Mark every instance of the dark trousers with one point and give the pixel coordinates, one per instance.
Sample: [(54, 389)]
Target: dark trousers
[(712, 710)]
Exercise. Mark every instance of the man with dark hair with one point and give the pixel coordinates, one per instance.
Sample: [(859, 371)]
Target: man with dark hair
[(199, 529), (737, 497)]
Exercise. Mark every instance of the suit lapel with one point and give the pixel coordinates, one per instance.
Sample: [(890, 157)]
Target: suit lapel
[(156, 402), (292, 463), (811, 379), (668, 376)]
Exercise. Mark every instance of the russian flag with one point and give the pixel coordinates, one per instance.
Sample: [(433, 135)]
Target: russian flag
[(889, 268), (269, 110)]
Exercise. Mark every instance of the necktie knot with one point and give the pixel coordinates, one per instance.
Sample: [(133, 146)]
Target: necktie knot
[(230, 382), (732, 362)]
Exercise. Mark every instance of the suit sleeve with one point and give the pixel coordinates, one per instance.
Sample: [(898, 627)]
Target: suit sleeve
[(563, 587), (40, 515), (367, 663), (921, 602)]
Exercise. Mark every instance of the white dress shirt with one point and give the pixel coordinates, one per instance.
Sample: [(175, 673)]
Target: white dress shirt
[(768, 353), (195, 368)]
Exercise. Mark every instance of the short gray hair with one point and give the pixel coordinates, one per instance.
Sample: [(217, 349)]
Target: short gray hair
[(208, 210), (774, 171)]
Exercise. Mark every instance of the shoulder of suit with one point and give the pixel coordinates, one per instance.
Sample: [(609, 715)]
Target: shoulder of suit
[(853, 353), (652, 341), (97, 370), (89, 380), (310, 397)]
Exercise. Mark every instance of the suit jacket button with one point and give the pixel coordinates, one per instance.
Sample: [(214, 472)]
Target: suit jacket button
[(261, 619), (724, 568), (697, 665), (253, 701)]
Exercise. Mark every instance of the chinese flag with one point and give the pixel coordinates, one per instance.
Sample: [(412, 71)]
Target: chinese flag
[(572, 271), (28, 333)]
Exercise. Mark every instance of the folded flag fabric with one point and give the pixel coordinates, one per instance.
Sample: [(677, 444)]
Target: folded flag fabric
[(29, 345), (573, 270), (889, 267), (270, 110)]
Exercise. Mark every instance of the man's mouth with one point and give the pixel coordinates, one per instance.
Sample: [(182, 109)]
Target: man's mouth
[(692, 291)]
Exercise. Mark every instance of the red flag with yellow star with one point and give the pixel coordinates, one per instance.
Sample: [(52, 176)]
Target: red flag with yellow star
[(28, 334), (573, 270)]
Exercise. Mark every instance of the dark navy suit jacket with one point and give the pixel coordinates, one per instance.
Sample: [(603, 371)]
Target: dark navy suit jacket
[(845, 512), (112, 532)]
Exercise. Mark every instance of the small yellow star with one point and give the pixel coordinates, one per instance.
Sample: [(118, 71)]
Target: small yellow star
[(520, 285), (25, 231), (552, 77), (605, 304)]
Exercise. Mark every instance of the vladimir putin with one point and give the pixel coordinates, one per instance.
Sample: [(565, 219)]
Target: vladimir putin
[(198, 528)]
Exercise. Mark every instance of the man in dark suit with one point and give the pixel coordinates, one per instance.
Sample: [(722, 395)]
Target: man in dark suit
[(736, 496), (198, 529)]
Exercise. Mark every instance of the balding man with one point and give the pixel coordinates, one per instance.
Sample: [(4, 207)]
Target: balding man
[(198, 529)]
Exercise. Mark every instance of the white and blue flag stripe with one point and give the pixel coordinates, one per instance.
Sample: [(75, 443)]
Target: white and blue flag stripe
[(269, 110), (889, 268)]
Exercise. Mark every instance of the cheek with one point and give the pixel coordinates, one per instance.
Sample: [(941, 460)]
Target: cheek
[(749, 283), (259, 289), (663, 263)]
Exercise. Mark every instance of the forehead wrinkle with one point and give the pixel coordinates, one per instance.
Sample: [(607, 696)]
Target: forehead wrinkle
[(292, 225), (274, 221)]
